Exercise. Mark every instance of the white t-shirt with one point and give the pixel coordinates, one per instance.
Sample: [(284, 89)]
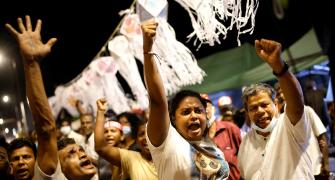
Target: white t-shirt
[(40, 175), (57, 175), (284, 154), (174, 158), (318, 128), (317, 125)]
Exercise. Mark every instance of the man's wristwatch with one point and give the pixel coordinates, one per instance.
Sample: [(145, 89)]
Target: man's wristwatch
[(283, 71)]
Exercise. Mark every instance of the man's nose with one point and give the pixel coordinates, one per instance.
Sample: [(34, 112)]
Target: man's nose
[(260, 110), (21, 160), (82, 154)]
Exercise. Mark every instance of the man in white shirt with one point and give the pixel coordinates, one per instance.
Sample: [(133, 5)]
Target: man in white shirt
[(276, 148), (67, 131), (319, 150)]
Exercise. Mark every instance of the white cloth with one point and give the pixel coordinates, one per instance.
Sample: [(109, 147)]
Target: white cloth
[(57, 175), (173, 158), (80, 139), (245, 129), (169, 163), (89, 147), (284, 154), (40, 175), (318, 128), (317, 125)]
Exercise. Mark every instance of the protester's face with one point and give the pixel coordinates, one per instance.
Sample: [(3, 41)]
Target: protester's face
[(190, 118), (3, 160), (22, 162), (87, 124), (112, 136), (75, 163), (261, 109), (124, 121), (65, 123), (141, 139)]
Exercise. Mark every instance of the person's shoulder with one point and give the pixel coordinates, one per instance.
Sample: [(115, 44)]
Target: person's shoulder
[(127, 152), (74, 133), (226, 124), (249, 136)]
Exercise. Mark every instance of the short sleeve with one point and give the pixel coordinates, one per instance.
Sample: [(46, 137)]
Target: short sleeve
[(40, 175)]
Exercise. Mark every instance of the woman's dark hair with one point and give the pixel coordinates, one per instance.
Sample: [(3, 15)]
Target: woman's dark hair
[(134, 121), (175, 101)]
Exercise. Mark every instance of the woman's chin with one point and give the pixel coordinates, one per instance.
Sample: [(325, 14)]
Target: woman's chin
[(194, 135)]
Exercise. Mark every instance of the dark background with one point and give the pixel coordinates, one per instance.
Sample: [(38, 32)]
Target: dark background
[(82, 28)]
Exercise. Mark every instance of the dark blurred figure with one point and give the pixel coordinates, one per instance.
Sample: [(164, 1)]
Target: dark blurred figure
[(239, 117), (130, 123), (314, 97), (4, 163), (331, 113), (227, 112)]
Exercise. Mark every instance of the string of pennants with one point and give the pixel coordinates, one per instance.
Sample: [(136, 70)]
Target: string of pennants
[(123, 51)]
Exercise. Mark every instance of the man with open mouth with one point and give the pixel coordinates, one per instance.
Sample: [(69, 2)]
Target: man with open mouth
[(25, 162)]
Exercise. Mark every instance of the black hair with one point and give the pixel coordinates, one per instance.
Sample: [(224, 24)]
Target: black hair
[(134, 121), (110, 114), (175, 101), (3, 142), (62, 143), (63, 115), (254, 89), (59, 123), (239, 117), (19, 143)]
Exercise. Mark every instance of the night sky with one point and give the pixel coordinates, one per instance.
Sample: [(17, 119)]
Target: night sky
[(82, 29)]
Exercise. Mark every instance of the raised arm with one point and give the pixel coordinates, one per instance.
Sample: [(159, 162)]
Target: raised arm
[(270, 51), (107, 151), (32, 51), (78, 104), (158, 124)]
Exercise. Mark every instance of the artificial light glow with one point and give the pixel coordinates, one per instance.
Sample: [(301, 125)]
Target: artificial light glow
[(1, 121), (15, 133), (223, 100), (6, 130), (1, 58), (5, 99)]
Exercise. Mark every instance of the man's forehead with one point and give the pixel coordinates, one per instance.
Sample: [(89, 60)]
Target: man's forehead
[(86, 120), (259, 96), (69, 147), (259, 101), (22, 151)]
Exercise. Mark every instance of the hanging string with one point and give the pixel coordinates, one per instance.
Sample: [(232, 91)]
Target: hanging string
[(132, 6)]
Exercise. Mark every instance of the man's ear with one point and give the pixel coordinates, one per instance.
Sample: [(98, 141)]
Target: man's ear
[(11, 170)]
